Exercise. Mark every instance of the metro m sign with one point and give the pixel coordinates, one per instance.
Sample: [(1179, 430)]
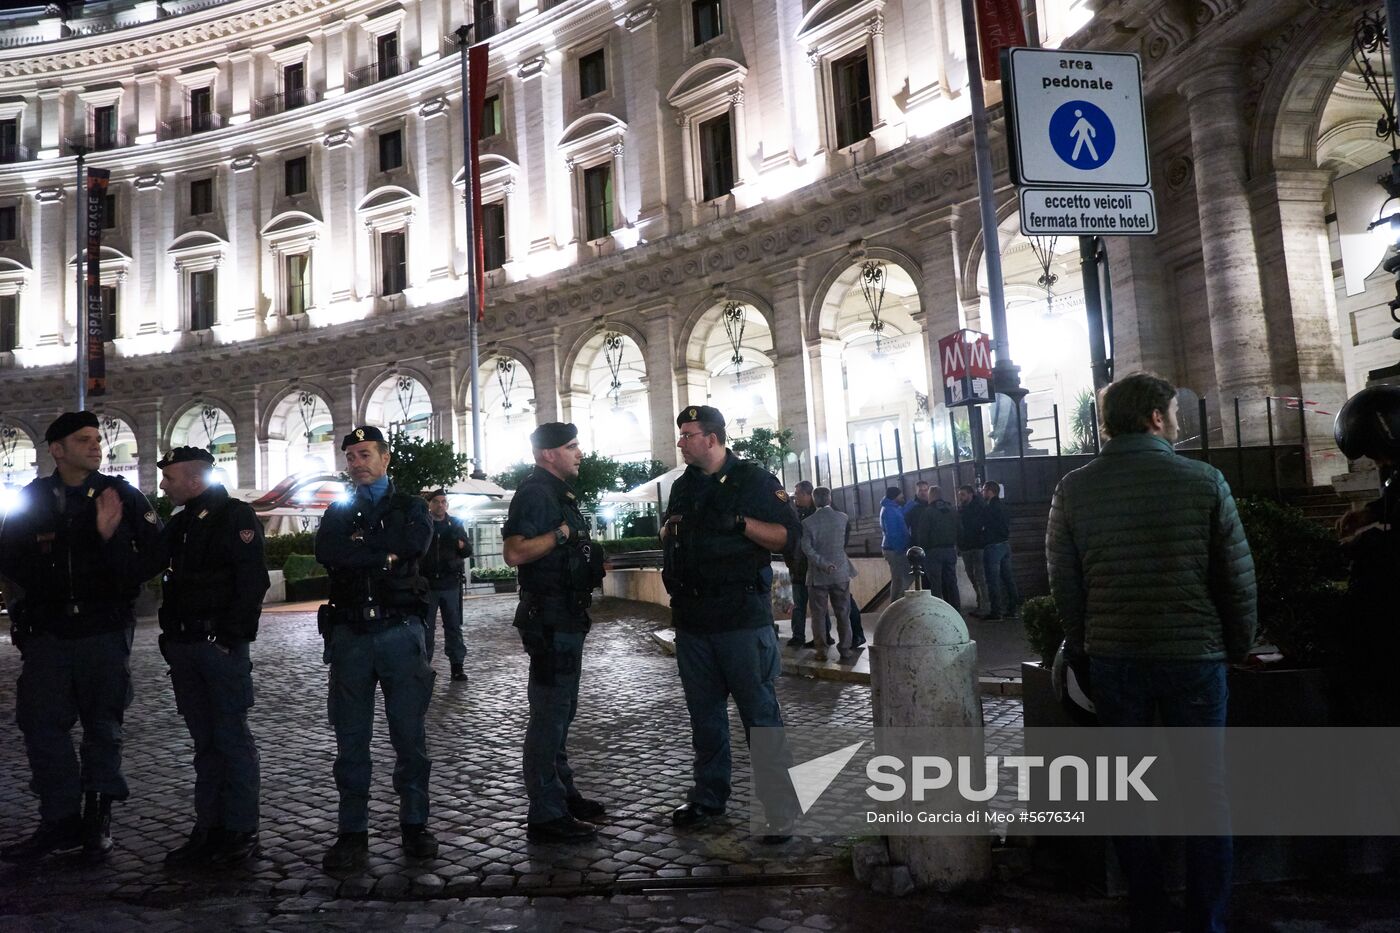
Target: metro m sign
[(965, 358)]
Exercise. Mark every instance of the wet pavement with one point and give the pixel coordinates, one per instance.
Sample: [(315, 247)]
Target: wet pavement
[(630, 749)]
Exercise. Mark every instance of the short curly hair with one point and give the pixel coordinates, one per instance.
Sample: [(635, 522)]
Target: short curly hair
[(1126, 406)]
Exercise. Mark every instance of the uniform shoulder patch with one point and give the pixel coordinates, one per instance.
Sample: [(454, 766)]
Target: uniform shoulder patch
[(151, 517), (781, 494), (246, 535)]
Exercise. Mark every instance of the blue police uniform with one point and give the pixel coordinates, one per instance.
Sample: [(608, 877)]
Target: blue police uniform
[(444, 565), (72, 619), (374, 634), (213, 590), (721, 607), (552, 617)]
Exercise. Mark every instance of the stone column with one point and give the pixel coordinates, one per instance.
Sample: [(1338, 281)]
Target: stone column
[(942, 311), (661, 382), (52, 242), (436, 168), (245, 429), (828, 398), (242, 91), (1145, 333), (242, 290), (447, 407), (149, 258), (147, 428), (150, 109), (52, 119), (337, 180), (1293, 243), (1240, 335), (545, 354), (790, 310), (334, 36)]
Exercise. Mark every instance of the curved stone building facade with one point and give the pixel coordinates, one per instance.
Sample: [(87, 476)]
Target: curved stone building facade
[(766, 204)]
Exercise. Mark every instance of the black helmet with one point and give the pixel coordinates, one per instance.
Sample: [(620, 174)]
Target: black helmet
[(1369, 424)]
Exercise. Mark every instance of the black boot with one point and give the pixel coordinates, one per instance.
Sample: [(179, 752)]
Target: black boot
[(97, 825), (196, 848), (350, 852), (59, 836), (418, 842), (235, 848)]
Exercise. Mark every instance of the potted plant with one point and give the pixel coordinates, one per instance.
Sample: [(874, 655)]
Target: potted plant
[(503, 578)]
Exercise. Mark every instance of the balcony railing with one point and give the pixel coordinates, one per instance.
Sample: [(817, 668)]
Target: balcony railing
[(10, 154), (373, 73), (487, 26), (188, 126), (97, 142), (280, 103)]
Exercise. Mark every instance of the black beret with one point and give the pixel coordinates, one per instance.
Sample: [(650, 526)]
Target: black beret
[(362, 434), (552, 434), (67, 423), (185, 455), (434, 493), (706, 413)]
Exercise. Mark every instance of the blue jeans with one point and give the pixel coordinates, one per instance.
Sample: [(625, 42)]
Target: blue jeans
[(799, 611), (449, 600), (63, 682), (214, 691), (556, 661), (743, 664), (1001, 583), (1192, 694), (395, 659)]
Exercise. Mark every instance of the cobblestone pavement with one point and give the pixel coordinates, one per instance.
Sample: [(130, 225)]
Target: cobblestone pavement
[(629, 746)]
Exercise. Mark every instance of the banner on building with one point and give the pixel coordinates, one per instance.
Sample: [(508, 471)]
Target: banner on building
[(97, 181), (476, 84), (999, 26), (965, 360)]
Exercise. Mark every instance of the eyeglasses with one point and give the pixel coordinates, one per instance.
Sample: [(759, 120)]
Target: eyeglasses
[(687, 435)]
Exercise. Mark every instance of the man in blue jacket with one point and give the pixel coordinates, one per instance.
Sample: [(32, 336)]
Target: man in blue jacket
[(894, 540), (1159, 599)]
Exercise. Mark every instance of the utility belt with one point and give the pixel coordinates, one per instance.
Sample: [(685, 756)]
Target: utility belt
[(187, 629), (362, 619), (71, 619), (572, 601)]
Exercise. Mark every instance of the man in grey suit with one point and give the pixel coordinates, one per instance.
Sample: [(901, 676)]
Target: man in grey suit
[(829, 570)]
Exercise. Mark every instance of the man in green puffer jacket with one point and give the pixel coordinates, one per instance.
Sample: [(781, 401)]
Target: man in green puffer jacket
[(1153, 578)]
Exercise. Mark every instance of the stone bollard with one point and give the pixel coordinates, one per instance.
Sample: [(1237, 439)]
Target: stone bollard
[(923, 674)]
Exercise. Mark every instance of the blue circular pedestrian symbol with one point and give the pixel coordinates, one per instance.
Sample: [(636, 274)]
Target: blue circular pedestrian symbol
[(1082, 135)]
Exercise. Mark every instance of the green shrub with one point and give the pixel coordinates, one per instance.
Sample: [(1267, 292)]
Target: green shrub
[(1298, 564), (1041, 617), (276, 548), (492, 574), (300, 567), (624, 545)]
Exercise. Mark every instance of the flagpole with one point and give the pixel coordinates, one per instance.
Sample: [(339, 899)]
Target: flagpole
[(473, 286), (79, 239)]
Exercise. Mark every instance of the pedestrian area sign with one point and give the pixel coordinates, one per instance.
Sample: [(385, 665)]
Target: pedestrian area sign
[(1076, 118), (1078, 142)]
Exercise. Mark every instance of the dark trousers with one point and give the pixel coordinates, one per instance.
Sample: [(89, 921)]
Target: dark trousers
[(799, 611), (396, 660), (941, 571), (556, 662), (214, 691), (743, 664), (449, 601), (1184, 694), (1001, 583), (62, 682)]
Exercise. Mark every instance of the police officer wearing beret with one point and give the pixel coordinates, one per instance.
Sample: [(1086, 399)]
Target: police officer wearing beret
[(77, 550), (444, 565), (546, 537), (374, 634), (212, 594), (725, 519)]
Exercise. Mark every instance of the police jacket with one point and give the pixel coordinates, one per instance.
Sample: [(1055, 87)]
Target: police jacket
[(1148, 558), (718, 579), (353, 543), (444, 562), (215, 575), (69, 581), (561, 582)]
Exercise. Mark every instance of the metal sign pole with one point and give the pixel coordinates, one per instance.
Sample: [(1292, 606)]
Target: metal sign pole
[(473, 287), (80, 251)]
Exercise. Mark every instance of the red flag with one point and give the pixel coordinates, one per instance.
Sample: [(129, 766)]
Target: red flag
[(476, 83), (999, 26)]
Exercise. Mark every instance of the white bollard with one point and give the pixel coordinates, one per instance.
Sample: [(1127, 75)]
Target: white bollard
[(923, 674)]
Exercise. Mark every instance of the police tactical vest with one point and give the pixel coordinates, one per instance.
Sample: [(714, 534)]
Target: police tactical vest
[(707, 552), (198, 584), (403, 588)]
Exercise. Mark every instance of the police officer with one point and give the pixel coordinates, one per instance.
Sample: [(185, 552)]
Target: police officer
[(76, 552), (444, 565), (546, 537), (374, 634), (212, 594), (725, 519)]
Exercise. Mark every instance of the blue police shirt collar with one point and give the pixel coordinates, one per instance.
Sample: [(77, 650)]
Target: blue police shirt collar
[(376, 490)]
